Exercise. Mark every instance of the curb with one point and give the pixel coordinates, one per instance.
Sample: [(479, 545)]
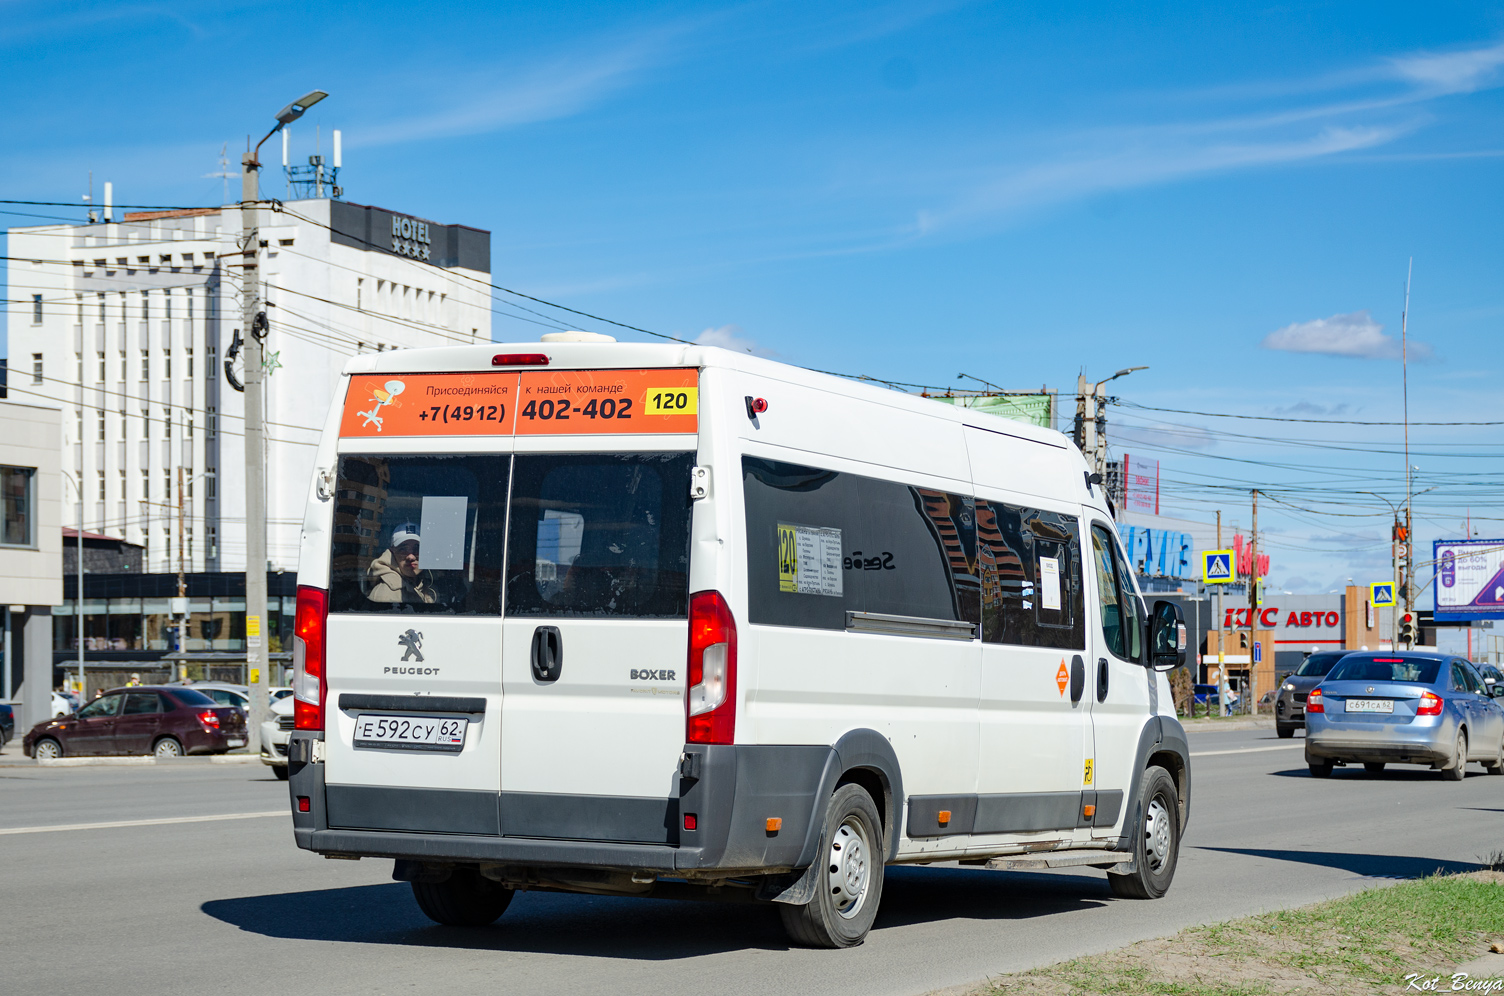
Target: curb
[(132, 761)]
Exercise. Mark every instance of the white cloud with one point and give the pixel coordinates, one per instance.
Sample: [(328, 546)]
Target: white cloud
[(730, 337), (1355, 334), (1452, 72)]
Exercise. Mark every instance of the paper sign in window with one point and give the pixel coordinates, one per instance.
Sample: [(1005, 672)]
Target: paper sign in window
[(1049, 583), (442, 532), (809, 560)]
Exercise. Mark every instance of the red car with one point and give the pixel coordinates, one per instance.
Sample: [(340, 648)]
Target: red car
[(166, 721)]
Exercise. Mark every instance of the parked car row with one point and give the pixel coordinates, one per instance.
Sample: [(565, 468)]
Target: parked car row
[(1396, 707)]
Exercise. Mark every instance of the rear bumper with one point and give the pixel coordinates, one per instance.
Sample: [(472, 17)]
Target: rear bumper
[(1420, 744), (730, 790)]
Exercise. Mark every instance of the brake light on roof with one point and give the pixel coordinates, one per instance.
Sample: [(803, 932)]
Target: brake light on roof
[(1430, 704), (208, 719), (1389, 660), (710, 705), (520, 360), (310, 686), (1313, 702)]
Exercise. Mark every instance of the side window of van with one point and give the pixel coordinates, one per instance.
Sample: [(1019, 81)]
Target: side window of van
[(1115, 596), (820, 543), (418, 534), (599, 534), (1030, 565)]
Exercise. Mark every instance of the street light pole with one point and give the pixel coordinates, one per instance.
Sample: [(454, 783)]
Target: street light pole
[(78, 602), (253, 317), (1090, 403)]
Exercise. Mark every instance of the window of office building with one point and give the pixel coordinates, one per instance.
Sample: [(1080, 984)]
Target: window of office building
[(36, 309), (36, 368), (18, 499)]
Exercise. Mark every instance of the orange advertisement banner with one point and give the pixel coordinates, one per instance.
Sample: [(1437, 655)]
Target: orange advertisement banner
[(458, 404), (556, 402)]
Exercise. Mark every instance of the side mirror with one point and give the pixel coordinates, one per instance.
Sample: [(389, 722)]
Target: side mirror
[(1167, 638)]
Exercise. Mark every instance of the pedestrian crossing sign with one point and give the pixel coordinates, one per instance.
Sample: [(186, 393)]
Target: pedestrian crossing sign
[(1216, 566), (1381, 594)]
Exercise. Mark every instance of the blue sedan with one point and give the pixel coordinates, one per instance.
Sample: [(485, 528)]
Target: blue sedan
[(1406, 708)]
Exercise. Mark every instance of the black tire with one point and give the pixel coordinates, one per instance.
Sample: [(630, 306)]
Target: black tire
[(1374, 767), (1284, 732), (464, 899), (1320, 768), (1156, 847), (47, 747), (167, 747), (1456, 770), (280, 770), (1496, 766), (850, 877)]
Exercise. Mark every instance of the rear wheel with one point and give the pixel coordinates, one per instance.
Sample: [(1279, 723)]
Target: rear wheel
[(849, 883), (1457, 769), (1284, 732), (1496, 766), (464, 899), (1374, 767), (47, 749), (167, 747), (1156, 847), (1320, 768), (280, 770)]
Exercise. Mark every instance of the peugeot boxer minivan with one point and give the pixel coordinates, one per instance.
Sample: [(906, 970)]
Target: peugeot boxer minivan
[(670, 620)]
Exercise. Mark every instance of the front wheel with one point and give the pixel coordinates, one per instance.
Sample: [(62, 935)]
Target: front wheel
[(1284, 732), (1456, 771), (47, 750), (1321, 768), (464, 899), (1156, 846), (849, 883)]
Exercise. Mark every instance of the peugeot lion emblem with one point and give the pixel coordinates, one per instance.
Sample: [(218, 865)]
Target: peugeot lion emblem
[(410, 642)]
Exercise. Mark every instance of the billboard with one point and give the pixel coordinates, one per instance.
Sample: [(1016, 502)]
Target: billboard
[(1468, 578), (1140, 484), (1035, 409)]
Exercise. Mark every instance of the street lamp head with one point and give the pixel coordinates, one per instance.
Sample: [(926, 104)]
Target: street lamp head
[(1124, 372), (294, 110)]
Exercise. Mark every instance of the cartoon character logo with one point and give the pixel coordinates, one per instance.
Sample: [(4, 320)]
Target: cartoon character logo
[(410, 642), (382, 397)]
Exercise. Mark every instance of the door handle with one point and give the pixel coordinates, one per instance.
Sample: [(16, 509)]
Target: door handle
[(1078, 678), (548, 653), (1103, 672)]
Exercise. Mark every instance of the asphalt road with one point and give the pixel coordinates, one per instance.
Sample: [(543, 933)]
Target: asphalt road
[(187, 907)]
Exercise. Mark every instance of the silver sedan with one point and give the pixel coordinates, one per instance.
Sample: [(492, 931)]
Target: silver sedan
[(1405, 707)]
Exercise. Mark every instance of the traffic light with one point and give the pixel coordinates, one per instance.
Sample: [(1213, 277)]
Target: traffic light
[(1407, 629)]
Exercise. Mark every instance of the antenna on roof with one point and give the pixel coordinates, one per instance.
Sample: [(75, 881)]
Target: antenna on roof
[(224, 172)]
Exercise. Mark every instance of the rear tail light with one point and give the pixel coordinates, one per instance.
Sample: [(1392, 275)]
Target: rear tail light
[(1430, 704), (310, 685), (1313, 702), (711, 702), (209, 719), (520, 360)]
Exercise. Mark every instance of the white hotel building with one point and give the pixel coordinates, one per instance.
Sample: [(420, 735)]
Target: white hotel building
[(127, 326)]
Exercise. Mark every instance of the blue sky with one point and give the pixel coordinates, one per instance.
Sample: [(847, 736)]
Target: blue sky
[(910, 191)]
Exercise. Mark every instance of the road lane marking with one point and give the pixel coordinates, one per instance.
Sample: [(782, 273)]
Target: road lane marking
[(1244, 750), (166, 821)]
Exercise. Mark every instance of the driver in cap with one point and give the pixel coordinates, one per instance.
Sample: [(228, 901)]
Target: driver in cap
[(395, 575)]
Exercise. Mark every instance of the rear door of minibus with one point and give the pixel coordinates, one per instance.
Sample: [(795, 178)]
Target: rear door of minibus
[(413, 654), (596, 602)]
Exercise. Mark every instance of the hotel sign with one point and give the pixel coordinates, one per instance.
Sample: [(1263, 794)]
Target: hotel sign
[(375, 229)]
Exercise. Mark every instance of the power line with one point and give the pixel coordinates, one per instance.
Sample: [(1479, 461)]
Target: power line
[(1273, 418)]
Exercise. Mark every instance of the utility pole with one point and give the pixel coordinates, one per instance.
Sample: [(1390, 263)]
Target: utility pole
[(1091, 419), (253, 316), (1406, 559), (182, 581), (1253, 605), (254, 322), (1221, 636)]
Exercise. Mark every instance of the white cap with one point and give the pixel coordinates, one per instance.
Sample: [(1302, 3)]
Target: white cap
[(406, 531)]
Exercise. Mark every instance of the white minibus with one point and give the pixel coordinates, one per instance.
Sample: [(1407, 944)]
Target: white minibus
[(671, 620)]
